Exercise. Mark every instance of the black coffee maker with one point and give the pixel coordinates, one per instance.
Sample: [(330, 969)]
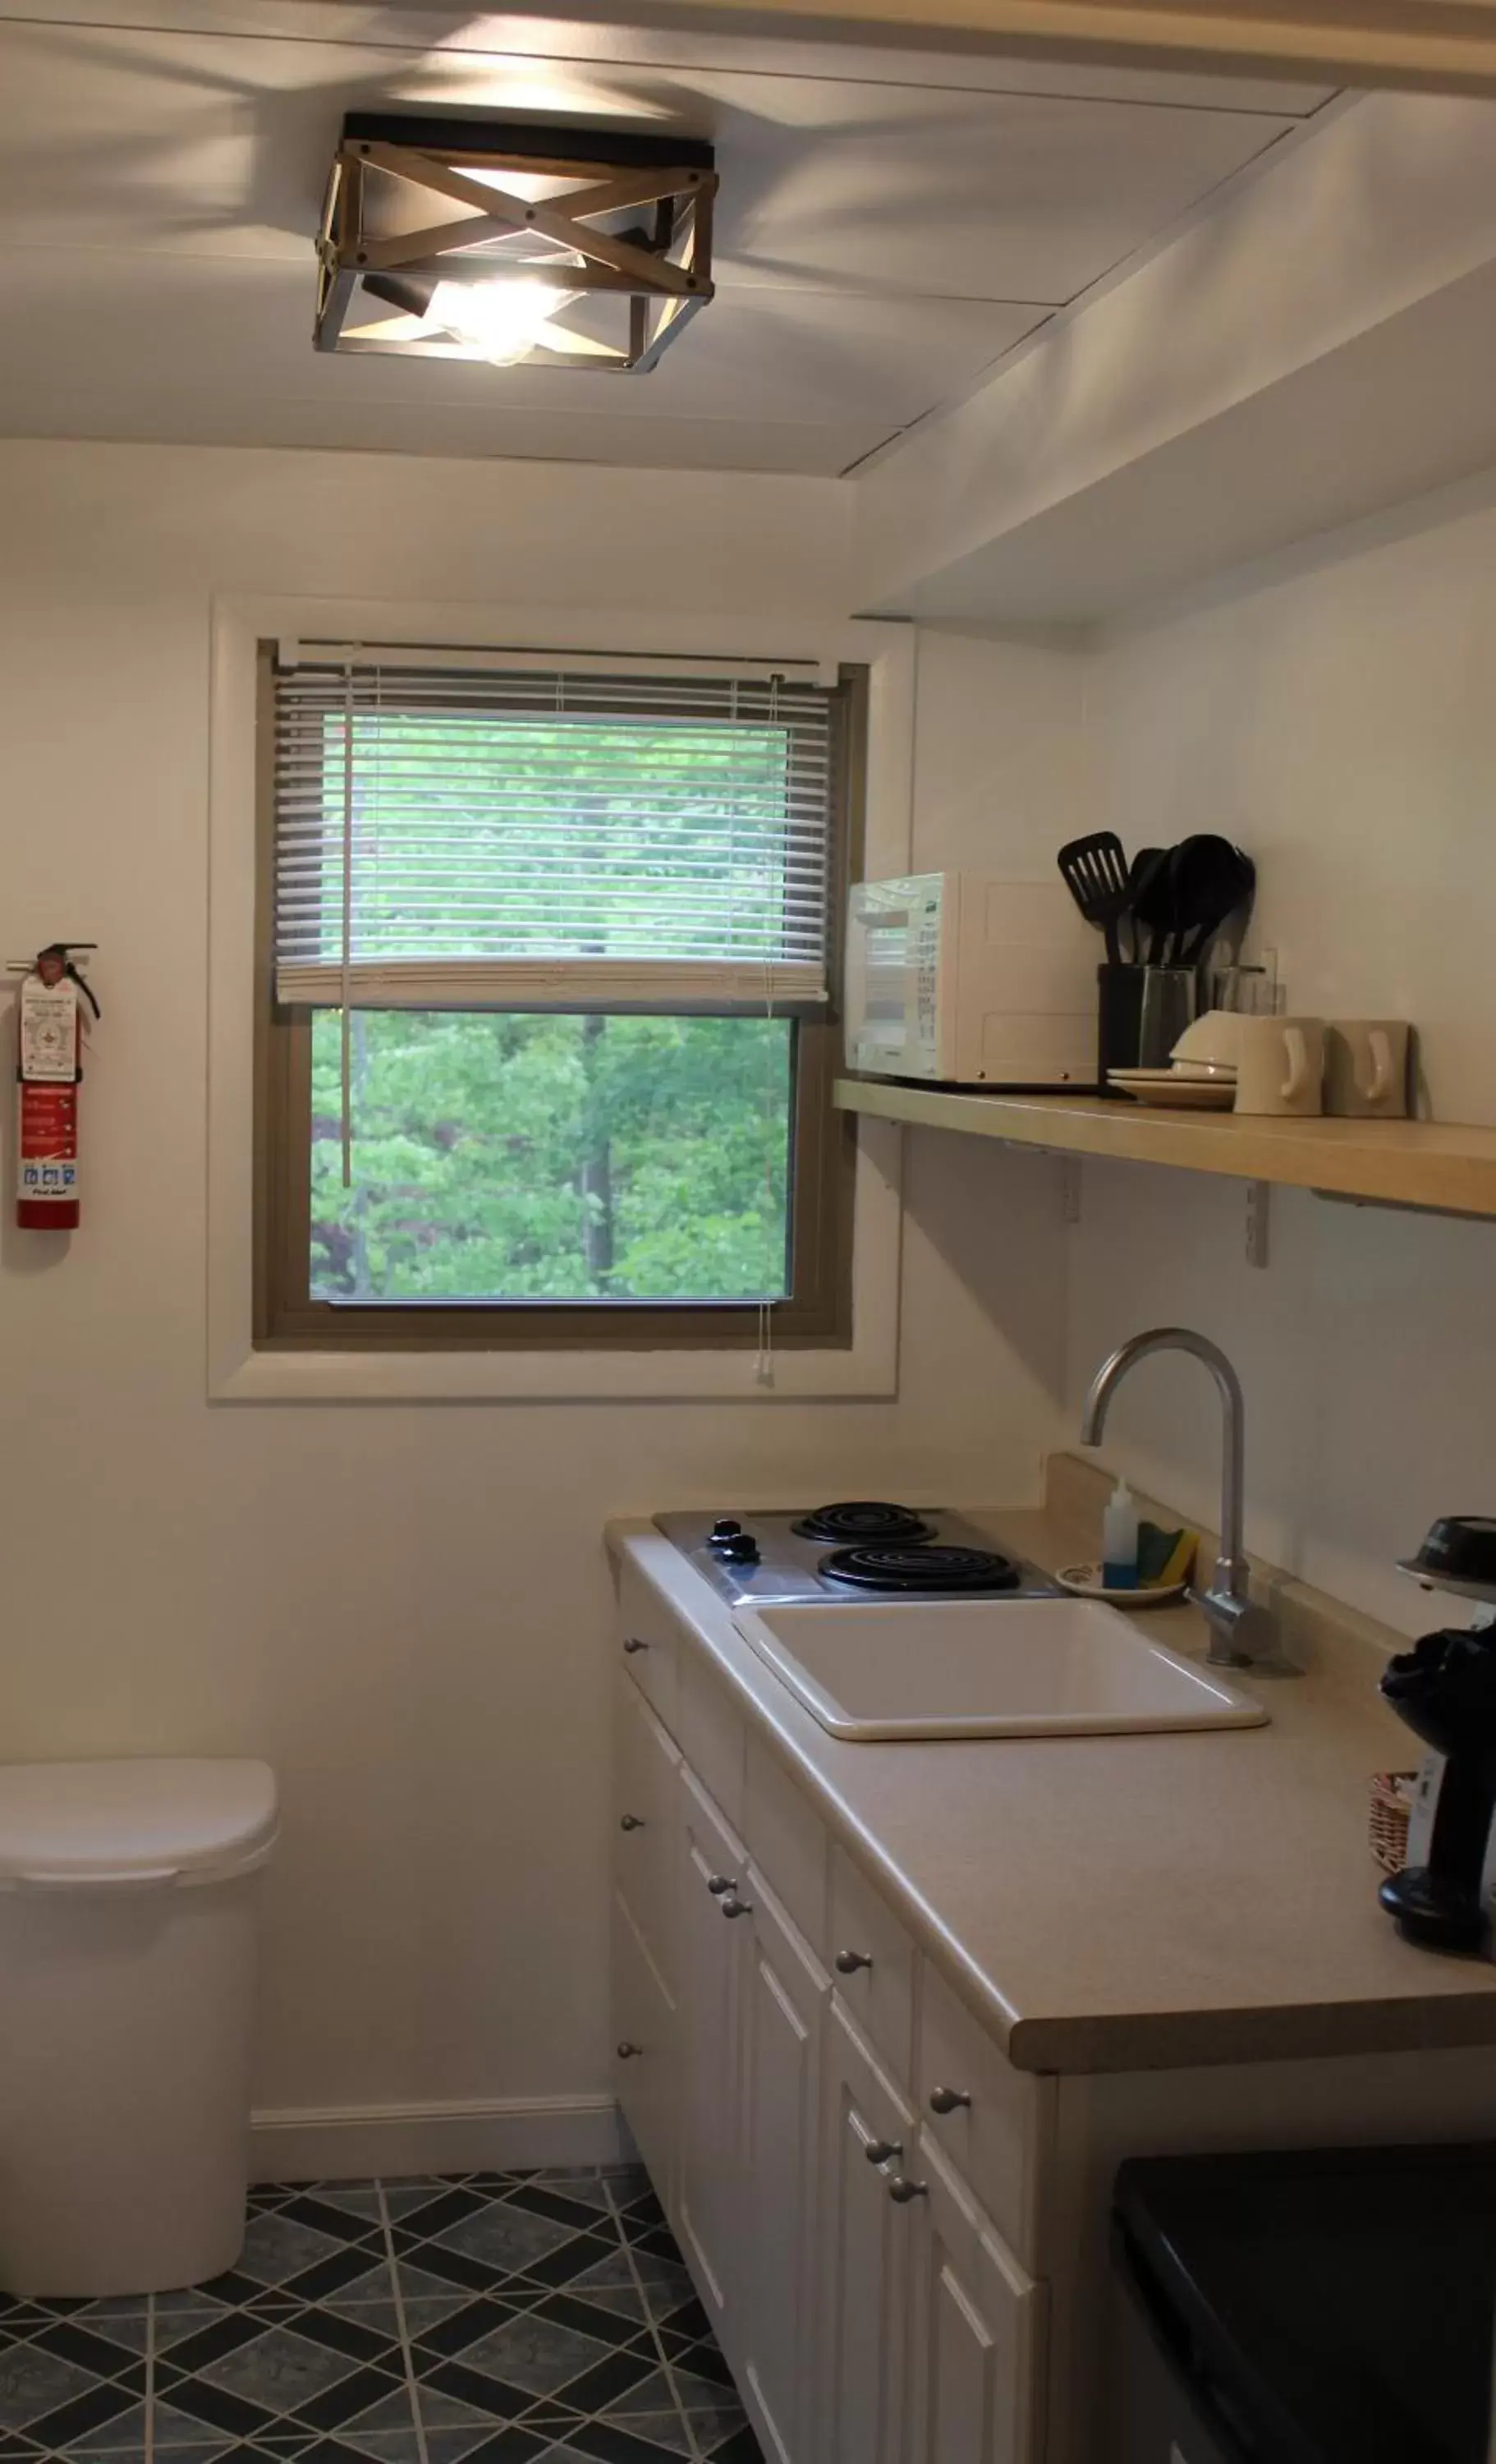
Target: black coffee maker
[(1445, 1689)]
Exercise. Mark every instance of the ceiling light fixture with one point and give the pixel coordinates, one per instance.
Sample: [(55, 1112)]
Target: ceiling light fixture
[(565, 247)]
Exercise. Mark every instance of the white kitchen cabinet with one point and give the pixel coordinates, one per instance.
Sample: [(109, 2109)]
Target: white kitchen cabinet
[(867, 2233), (875, 1963), (754, 2094), (645, 2058), (648, 1646), (712, 1905), (646, 1823), (778, 2028), (785, 1994), (994, 2125), (975, 2365)]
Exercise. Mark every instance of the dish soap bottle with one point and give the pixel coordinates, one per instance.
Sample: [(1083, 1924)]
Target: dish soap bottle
[(1119, 1541)]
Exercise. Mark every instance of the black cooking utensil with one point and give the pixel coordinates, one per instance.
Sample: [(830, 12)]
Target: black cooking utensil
[(1212, 879), (1095, 872), (1142, 873), (1154, 908)]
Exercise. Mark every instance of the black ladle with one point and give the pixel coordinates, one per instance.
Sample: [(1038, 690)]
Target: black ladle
[(1152, 902), (1142, 873), (1211, 879)]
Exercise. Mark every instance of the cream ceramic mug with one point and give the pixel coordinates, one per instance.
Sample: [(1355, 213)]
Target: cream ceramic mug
[(1279, 1065), (1366, 1067)]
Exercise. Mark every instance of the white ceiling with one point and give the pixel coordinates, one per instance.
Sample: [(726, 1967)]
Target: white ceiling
[(889, 225)]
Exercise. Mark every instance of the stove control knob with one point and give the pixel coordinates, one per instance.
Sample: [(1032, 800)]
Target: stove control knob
[(724, 1529), (742, 1550)]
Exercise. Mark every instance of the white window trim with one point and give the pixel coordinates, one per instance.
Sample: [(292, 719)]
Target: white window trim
[(237, 1373)]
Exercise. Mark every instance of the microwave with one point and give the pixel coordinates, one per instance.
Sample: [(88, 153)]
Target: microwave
[(972, 979)]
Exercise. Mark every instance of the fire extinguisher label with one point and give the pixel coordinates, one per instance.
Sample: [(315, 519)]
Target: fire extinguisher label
[(49, 1032), (49, 1143)]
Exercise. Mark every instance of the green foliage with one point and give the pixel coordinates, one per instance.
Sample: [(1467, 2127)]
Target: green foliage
[(537, 1157), (514, 836), (548, 1158)]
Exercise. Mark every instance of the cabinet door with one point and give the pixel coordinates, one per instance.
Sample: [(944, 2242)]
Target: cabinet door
[(712, 1933), (644, 2065), (976, 2356), (865, 2243), (784, 1999), (646, 1821)]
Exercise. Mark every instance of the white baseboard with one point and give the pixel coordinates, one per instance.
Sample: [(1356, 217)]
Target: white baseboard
[(350, 2142)]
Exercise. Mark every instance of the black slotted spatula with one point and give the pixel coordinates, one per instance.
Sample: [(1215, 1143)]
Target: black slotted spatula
[(1094, 870)]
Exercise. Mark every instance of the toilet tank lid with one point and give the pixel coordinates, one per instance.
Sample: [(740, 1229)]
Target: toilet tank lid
[(69, 1825)]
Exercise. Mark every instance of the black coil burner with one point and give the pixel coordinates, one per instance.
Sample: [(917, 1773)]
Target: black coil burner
[(923, 1570), (864, 1520)]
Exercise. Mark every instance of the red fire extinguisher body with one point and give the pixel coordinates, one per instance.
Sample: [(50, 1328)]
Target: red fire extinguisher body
[(49, 1067), (47, 1195)]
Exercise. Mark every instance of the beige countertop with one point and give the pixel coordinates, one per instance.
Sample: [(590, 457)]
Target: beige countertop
[(1135, 1902)]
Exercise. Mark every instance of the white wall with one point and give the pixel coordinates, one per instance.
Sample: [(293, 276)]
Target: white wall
[(1337, 717), (1242, 388), (404, 1609)]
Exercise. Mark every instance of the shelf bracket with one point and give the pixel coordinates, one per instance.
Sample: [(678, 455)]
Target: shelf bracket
[(1259, 1215)]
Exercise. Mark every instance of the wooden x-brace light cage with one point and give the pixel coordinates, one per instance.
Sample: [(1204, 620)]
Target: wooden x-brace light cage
[(614, 229)]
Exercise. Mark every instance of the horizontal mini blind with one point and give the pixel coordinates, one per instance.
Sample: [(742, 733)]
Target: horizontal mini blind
[(516, 838)]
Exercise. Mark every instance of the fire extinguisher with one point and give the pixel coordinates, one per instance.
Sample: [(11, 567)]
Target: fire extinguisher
[(49, 1070)]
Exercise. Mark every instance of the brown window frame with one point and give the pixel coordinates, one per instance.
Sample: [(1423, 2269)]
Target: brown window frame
[(818, 1312)]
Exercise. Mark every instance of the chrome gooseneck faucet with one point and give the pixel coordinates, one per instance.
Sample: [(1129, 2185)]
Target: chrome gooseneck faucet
[(1241, 1635)]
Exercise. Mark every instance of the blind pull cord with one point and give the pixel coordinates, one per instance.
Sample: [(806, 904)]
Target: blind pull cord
[(763, 1366), (345, 1124)]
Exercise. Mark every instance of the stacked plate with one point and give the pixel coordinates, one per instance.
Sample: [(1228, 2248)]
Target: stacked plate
[(1201, 1071), (1188, 1084)]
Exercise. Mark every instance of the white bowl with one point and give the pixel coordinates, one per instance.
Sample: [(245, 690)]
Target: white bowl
[(1213, 1038)]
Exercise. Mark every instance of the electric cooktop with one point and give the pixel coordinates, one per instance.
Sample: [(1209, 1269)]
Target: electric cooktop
[(860, 1549)]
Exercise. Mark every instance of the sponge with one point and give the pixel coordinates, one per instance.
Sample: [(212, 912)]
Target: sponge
[(1164, 1557)]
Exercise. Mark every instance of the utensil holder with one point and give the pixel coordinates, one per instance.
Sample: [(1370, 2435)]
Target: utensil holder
[(1119, 1017)]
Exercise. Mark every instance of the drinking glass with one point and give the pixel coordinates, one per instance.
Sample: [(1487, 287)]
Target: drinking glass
[(1246, 992), (1171, 999)]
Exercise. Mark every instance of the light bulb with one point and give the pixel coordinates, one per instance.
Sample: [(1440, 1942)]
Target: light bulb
[(502, 319)]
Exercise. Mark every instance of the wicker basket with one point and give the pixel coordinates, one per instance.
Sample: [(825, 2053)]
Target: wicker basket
[(1388, 1829)]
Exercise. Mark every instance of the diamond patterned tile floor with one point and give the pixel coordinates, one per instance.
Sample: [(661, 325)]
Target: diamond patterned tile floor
[(475, 2318)]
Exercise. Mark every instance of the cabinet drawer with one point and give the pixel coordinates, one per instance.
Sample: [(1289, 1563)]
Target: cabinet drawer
[(712, 1735), (646, 1813), (645, 2053), (873, 1959), (709, 1838), (978, 2332), (646, 1643), (788, 1841), (867, 2240), (998, 2140)]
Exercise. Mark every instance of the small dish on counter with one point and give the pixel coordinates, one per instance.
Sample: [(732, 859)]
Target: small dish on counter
[(1174, 1087), (1086, 1582)]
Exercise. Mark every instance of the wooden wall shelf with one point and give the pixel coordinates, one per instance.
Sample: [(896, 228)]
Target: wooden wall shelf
[(1433, 1165)]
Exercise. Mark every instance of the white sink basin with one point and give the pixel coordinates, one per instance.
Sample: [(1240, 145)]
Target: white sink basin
[(880, 1669)]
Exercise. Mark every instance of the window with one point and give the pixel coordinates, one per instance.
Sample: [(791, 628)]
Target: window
[(546, 1034)]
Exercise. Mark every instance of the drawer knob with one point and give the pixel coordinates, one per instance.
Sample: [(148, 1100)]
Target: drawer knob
[(719, 1884), (848, 1961), (945, 2099), (733, 1906), (632, 1642), (901, 2190), (630, 1822), (628, 2052), (878, 2151)]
